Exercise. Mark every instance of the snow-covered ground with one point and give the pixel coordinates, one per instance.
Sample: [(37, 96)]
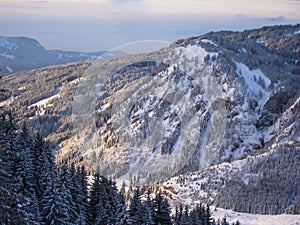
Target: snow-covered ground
[(209, 42), (256, 81), (297, 32), (45, 101), (256, 219), (203, 186), (76, 81), (9, 69), (11, 57)]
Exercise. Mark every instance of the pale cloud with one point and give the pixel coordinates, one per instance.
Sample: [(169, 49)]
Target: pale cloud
[(254, 8), (135, 9), (103, 24), (53, 9)]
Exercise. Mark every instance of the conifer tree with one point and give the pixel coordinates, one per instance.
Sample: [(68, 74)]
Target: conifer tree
[(82, 197), (66, 186), (10, 199), (43, 165), (24, 172), (52, 210), (224, 221), (186, 217), (161, 210), (122, 215), (135, 215), (94, 198)]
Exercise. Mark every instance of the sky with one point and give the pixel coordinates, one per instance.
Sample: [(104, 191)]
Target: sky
[(94, 25)]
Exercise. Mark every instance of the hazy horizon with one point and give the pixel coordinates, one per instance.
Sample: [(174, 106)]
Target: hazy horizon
[(93, 25)]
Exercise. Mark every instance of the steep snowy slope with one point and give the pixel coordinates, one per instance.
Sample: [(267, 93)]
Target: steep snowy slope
[(266, 182)]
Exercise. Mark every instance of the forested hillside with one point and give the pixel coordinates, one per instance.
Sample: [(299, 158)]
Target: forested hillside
[(36, 191)]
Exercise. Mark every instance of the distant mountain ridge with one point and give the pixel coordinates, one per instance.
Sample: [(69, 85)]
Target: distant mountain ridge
[(23, 53)]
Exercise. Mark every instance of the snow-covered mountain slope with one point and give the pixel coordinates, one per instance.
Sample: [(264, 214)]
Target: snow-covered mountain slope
[(256, 183), (221, 108), (22, 53), (255, 219)]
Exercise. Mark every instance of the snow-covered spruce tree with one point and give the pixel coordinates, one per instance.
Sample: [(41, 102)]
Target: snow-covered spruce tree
[(175, 216), (122, 215), (134, 211), (10, 199), (194, 217), (57, 206), (81, 197), (181, 215), (202, 215), (185, 219), (72, 181), (94, 198), (54, 209), (161, 210), (224, 221), (50, 201), (200, 210), (43, 171), (24, 164), (25, 175), (107, 208), (66, 186), (178, 217), (107, 205), (43, 164), (148, 209), (115, 203)]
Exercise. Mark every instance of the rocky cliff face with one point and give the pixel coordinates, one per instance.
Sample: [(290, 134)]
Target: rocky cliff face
[(200, 102)]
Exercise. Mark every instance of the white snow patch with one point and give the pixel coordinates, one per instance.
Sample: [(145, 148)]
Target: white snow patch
[(194, 50), (11, 57), (209, 42), (45, 101), (260, 41), (103, 107), (243, 50), (9, 69), (297, 32), (83, 55), (22, 88), (191, 52), (64, 55), (256, 81), (4, 42), (76, 81), (254, 219)]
